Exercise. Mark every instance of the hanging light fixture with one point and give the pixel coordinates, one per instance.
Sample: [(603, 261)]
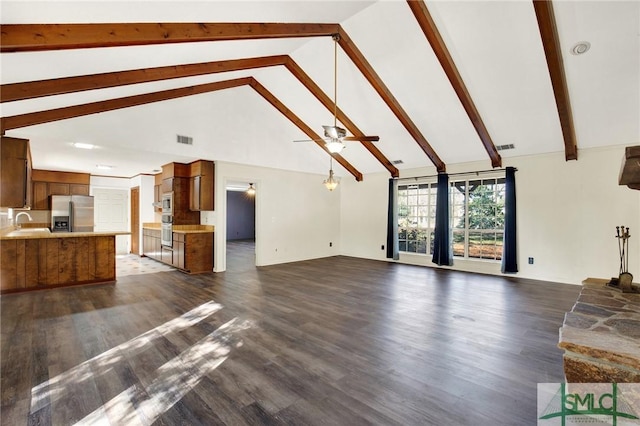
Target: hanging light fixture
[(335, 144), (251, 191), (331, 182)]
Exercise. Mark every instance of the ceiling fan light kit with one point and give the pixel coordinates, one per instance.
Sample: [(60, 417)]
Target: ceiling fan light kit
[(334, 146)]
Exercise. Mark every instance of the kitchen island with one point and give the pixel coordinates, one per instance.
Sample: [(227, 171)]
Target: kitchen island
[(38, 259)]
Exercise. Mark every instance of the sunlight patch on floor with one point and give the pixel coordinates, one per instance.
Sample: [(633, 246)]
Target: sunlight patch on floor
[(57, 387), (172, 381)]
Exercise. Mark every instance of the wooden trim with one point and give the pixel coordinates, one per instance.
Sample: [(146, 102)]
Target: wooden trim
[(553, 53), (30, 119), (308, 82), (57, 86), (269, 97), (376, 82), (430, 30), (38, 37)]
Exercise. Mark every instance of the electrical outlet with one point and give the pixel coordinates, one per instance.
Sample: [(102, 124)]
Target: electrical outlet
[(330, 244), (531, 261), (382, 247)]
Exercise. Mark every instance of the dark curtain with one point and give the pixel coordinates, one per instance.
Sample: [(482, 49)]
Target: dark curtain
[(509, 250), (441, 242), (392, 222)]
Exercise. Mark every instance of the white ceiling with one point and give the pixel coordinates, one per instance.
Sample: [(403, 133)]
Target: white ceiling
[(496, 46)]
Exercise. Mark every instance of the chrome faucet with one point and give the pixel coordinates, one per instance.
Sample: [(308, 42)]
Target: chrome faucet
[(15, 219)]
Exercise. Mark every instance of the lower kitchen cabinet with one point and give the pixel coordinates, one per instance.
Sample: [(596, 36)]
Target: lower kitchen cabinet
[(192, 252)]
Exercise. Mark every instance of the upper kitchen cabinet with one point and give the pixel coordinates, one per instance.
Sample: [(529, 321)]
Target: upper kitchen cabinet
[(15, 182), (46, 183), (157, 193), (176, 179), (201, 185)]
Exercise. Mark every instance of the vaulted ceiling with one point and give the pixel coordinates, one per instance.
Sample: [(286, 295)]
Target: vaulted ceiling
[(439, 82)]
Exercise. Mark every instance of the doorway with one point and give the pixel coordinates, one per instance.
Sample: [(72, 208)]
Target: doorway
[(111, 214), (241, 227)]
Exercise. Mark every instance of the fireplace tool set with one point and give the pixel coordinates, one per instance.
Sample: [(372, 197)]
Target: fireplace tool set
[(625, 279)]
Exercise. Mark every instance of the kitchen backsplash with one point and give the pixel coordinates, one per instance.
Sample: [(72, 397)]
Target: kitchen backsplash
[(37, 216)]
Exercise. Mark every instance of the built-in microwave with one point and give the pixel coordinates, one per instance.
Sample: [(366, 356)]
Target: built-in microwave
[(167, 203)]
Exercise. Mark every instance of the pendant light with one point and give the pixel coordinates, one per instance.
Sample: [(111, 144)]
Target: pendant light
[(331, 182)]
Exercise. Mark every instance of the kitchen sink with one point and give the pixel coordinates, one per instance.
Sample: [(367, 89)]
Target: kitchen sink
[(28, 231)]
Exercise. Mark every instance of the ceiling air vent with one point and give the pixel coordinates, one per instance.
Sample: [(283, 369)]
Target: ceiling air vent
[(396, 162), (185, 140), (504, 147)]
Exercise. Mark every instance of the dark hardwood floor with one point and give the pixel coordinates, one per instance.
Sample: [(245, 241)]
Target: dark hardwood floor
[(335, 341)]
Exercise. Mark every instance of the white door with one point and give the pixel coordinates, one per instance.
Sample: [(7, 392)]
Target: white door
[(111, 214)]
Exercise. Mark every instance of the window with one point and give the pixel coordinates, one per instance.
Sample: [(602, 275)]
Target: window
[(476, 217), (416, 217)]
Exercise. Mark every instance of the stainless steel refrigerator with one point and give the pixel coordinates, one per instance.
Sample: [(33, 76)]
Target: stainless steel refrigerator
[(71, 213)]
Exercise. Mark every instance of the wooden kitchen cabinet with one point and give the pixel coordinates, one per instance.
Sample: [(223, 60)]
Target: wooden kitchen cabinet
[(201, 186), (151, 243), (40, 196), (15, 173), (47, 183), (178, 250), (58, 189), (192, 252), (50, 262)]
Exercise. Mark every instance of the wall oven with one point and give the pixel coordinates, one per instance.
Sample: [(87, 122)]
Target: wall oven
[(166, 236)]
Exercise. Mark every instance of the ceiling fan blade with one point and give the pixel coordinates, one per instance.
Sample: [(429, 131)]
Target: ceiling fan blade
[(362, 138), (310, 140)]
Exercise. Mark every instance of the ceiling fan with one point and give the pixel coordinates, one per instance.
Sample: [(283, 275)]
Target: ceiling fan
[(335, 136)]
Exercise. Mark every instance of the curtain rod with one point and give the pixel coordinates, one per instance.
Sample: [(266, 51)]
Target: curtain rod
[(456, 174)]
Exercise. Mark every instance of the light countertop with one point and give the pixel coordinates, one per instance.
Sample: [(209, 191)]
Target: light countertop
[(183, 229), (37, 233)]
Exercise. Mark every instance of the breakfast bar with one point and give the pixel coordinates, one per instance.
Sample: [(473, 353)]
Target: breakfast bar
[(34, 259)]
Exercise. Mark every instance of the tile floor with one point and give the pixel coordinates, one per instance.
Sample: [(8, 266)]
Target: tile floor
[(132, 264)]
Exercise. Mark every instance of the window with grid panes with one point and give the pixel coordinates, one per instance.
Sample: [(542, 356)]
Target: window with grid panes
[(416, 217), (477, 218)]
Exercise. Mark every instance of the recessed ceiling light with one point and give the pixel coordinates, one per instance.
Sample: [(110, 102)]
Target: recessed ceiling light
[(83, 145), (580, 47), (104, 167)]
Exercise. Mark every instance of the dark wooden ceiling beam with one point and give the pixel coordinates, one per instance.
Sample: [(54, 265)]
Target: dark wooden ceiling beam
[(376, 82), (269, 97), (41, 117), (58, 86), (308, 82), (34, 89), (35, 37), (430, 30), (553, 53)]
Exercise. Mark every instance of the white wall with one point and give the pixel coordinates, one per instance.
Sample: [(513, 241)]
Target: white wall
[(567, 214), (296, 217)]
